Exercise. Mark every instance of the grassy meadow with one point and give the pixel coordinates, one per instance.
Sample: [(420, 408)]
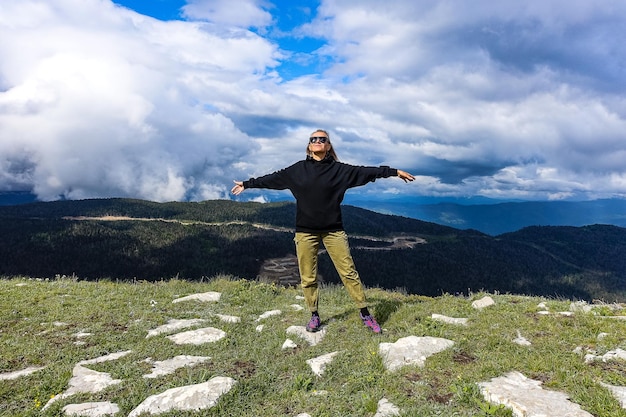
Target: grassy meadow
[(39, 320)]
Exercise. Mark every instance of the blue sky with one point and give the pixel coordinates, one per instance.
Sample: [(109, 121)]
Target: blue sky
[(173, 100), (159, 9)]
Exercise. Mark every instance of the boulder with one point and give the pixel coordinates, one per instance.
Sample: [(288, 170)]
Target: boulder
[(311, 338), (461, 321), (174, 325), (411, 350), (525, 397), (198, 337), (169, 366), (97, 409), (210, 296), (483, 303), (188, 398), (16, 374), (318, 365), (386, 409)]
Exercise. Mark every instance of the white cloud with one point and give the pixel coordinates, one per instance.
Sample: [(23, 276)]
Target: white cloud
[(245, 13), (505, 99), (120, 109)]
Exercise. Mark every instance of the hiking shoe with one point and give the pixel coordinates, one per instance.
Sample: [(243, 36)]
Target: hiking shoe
[(314, 324), (370, 321)]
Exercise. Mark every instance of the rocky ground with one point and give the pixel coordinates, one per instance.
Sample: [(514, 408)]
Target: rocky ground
[(524, 396)]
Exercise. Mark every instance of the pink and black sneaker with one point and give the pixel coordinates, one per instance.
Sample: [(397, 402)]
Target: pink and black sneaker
[(370, 321), (314, 324)]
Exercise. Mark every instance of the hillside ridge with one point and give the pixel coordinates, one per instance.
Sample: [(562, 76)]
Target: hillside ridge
[(397, 242), (196, 240)]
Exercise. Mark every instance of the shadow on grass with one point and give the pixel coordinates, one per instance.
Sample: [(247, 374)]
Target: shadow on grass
[(383, 309)]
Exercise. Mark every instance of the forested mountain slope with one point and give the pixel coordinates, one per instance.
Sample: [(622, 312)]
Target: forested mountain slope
[(135, 239)]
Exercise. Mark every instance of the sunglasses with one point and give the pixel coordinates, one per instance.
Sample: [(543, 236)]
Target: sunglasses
[(318, 139)]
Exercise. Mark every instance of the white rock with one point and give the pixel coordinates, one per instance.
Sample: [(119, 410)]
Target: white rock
[(84, 380), (521, 340), (188, 398), (97, 409), (297, 307), (589, 357), (228, 319), (16, 374), (168, 366), (198, 337), (449, 320), (386, 409), (486, 301), (259, 328), (318, 365), (289, 344), (269, 314), (617, 354), (526, 398), (411, 350), (174, 325), (312, 338), (210, 296), (88, 380), (580, 306), (106, 358), (618, 392)]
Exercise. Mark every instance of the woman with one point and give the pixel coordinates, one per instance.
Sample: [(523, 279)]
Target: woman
[(319, 183)]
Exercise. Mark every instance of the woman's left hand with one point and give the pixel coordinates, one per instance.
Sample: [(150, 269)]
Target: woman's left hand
[(406, 177)]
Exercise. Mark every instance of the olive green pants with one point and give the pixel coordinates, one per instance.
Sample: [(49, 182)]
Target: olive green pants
[(336, 244)]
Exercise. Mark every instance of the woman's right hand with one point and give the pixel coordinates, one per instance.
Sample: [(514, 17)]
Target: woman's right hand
[(238, 188)]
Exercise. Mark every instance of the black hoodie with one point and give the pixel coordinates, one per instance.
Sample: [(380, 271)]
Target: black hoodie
[(319, 188)]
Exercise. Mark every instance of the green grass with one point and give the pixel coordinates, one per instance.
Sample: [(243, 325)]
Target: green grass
[(273, 382)]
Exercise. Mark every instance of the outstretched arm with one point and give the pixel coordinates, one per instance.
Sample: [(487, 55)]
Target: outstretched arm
[(406, 177), (238, 188)]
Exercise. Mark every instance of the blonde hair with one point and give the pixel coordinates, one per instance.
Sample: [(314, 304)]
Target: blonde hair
[(331, 151)]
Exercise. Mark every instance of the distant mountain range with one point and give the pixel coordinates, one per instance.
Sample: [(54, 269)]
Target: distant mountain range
[(9, 198), (497, 218), (478, 213)]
